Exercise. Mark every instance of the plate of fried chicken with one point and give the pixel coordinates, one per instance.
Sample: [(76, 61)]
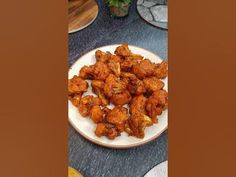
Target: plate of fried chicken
[(118, 96)]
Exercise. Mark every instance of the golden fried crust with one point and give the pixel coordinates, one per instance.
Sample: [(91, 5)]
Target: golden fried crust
[(156, 103), (102, 56), (96, 114), (137, 123), (144, 69), (113, 85), (136, 87), (115, 58), (106, 110), (108, 130), (98, 87), (128, 75), (128, 63), (109, 83), (75, 99), (118, 116), (161, 70), (77, 85), (114, 67), (86, 103), (121, 98), (86, 72), (120, 78), (123, 50), (100, 71), (138, 104), (153, 84), (101, 129)]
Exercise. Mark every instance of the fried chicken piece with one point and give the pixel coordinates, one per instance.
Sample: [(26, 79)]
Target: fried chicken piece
[(143, 69), (135, 86), (86, 103), (138, 120), (113, 85), (161, 70), (138, 104), (75, 99), (102, 56), (123, 50), (153, 84), (128, 63), (86, 72), (76, 85), (108, 130), (106, 110), (115, 89), (127, 75), (115, 58), (100, 71), (118, 116), (98, 89), (137, 123), (156, 103), (96, 114), (114, 67), (121, 98)]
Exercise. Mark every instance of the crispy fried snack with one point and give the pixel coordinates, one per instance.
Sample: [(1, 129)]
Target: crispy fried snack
[(102, 56), (138, 104), (118, 116), (86, 103), (77, 85), (115, 89), (156, 103), (75, 99), (98, 89), (108, 130), (120, 78), (161, 70), (96, 114), (138, 122), (100, 71), (86, 72), (153, 84), (144, 69), (123, 50), (136, 86), (114, 67)]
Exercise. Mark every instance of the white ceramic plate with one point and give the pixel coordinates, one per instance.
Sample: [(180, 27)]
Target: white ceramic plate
[(86, 127)]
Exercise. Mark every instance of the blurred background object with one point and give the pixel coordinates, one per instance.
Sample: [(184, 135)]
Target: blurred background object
[(73, 172), (119, 8), (160, 170), (154, 12), (81, 13)]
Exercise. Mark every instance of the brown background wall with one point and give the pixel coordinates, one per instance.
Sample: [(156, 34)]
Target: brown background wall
[(202, 88), (33, 80), (33, 76)]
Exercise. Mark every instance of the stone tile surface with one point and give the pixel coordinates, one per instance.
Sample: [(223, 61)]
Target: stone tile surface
[(154, 12)]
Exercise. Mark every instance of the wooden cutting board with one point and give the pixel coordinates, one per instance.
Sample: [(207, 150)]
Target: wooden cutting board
[(81, 13)]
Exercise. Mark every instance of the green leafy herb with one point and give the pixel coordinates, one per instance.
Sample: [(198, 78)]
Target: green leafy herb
[(117, 3)]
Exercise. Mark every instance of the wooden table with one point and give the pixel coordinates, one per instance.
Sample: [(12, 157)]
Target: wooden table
[(81, 13)]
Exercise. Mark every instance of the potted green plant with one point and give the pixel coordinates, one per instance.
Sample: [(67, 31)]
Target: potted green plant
[(119, 8)]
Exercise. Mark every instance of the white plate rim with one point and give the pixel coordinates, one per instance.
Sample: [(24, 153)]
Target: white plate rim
[(112, 145)]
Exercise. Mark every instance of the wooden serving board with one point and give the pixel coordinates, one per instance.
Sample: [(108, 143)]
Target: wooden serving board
[(81, 13)]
